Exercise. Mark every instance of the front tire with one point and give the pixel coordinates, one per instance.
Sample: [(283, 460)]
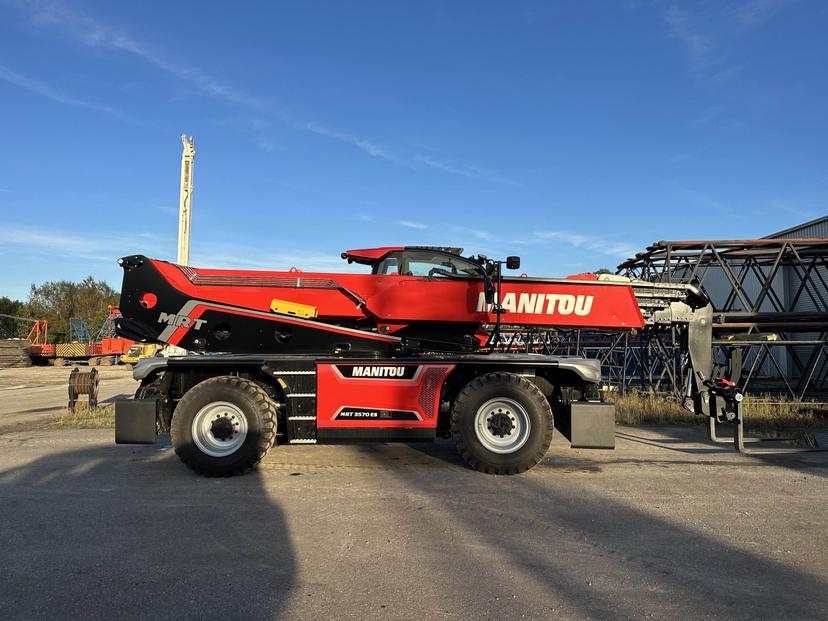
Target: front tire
[(501, 423), (224, 426)]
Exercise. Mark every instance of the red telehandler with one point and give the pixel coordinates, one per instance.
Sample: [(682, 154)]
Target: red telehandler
[(405, 352)]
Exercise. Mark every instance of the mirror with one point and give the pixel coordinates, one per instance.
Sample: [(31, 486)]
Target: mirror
[(513, 263), (488, 289)]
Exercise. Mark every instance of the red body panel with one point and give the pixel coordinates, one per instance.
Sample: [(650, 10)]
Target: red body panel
[(369, 398), (394, 299)]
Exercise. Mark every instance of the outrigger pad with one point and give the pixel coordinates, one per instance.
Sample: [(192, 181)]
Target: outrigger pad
[(135, 421), (588, 425)]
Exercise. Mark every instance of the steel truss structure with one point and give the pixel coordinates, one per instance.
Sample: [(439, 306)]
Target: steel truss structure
[(758, 288)]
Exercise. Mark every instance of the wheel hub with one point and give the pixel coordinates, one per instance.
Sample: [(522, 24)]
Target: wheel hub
[(501, 423), (219, 429), (223, 428)]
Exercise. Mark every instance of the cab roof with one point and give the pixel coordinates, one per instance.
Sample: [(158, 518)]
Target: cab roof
[(369, 256)]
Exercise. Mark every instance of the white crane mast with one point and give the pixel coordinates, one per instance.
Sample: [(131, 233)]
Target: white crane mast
[(185, 199)]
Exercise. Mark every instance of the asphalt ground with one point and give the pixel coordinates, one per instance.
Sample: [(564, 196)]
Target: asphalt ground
[(29, 397), (664, 527)]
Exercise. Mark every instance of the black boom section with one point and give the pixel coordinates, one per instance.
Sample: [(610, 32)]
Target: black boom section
[(203, 325)]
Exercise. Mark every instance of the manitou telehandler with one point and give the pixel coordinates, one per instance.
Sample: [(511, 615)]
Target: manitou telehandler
[(403, 353)]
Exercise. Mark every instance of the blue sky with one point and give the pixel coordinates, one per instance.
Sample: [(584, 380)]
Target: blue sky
[(570, 133)]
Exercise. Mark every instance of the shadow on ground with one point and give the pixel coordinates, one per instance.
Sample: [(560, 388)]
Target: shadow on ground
[(766, 451), (96, 533), (580, 542), (391, 532)]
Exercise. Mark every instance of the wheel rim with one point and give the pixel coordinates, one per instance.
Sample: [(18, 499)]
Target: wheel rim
[(502, 425), (219, 429)]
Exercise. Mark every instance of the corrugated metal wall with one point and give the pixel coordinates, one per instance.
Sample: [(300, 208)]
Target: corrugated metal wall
[(814, 228), (811, 299)]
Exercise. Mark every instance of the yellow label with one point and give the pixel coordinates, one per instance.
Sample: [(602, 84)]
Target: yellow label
[(283, 307)]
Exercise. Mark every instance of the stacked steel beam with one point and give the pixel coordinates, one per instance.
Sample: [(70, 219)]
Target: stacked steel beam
[(755, 285)]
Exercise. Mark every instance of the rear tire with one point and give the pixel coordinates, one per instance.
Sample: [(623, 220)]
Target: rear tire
[(224, 426), (501, 423)]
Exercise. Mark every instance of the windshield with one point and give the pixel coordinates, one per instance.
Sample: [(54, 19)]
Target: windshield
[(427, 263)]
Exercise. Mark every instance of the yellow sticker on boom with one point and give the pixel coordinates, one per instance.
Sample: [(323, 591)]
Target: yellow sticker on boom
[(283, 307)]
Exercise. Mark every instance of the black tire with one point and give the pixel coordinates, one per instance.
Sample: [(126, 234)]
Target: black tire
[(258, 409), (516, 389)]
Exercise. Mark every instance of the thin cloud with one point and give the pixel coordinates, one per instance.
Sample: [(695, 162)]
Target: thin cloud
[(785, 206), (266, 145), (257, 128), (706, 31), (412, 225), (706, 117), (573, 239), (231, 256), (362, 144), (45, 90), (706, 61), (374, 150), (167, 209), (91, 32), (756, 12), (476, 233), (470, 172), (592, 243), (106, 246), (707, 203), (88, 31)]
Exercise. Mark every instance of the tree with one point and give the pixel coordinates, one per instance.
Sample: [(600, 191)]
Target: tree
[(59, 300), (602, 270), (11, 328)]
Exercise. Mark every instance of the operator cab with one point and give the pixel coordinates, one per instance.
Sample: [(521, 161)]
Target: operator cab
[(444, 263), (430, 263)]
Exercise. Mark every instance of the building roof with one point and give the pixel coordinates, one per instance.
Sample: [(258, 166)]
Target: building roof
[(818, 223)]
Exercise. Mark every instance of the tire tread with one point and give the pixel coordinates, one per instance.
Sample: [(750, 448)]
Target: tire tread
[(265, 407), (460, 411)]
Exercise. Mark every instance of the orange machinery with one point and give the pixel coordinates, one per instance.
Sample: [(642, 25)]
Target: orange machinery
[(106, 349)]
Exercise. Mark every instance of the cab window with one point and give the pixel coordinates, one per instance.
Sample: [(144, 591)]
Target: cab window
[(389, 265), (427, 263)]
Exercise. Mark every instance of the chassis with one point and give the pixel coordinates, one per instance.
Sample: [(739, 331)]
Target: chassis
[(226, 411)]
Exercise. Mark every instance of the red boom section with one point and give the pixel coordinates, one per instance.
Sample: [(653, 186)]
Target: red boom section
[(395, 300), (379, 395)]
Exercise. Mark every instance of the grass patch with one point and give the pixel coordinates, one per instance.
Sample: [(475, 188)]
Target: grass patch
[(636, 408), (763, 413), (102, 417)]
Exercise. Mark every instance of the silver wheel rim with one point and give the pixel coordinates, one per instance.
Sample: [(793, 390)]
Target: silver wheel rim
[(219, 429), (490, 427)]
